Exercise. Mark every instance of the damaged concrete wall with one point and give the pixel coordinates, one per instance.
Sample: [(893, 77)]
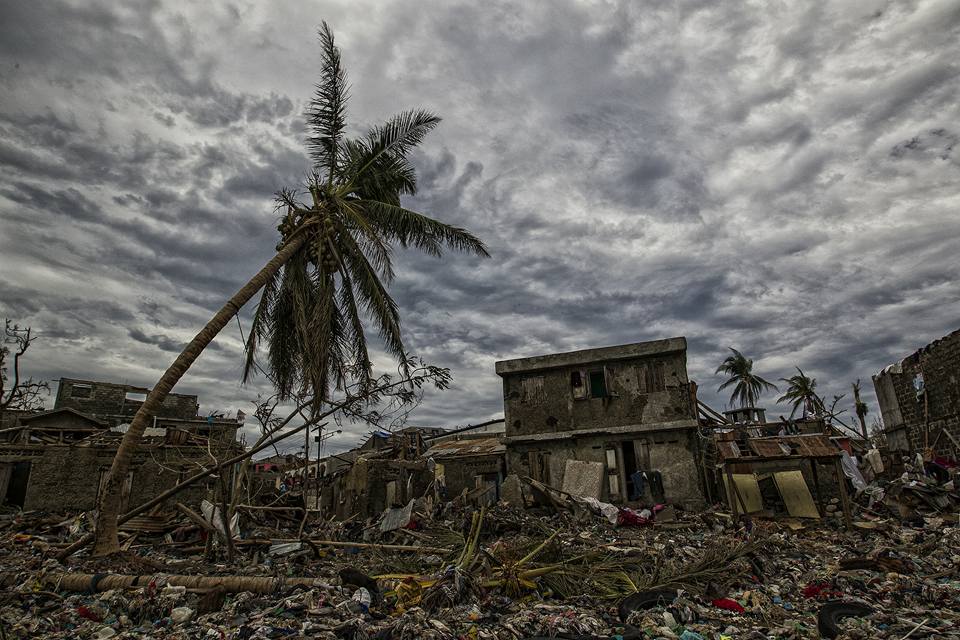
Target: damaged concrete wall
[(640, 391), (364, 490), (629, 407), (669, 452), (109, 401), (936, 368), (460, 473), (67, 479)]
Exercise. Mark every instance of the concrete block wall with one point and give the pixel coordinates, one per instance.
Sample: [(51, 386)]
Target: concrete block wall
[(671, 453), (108, 401), (460, 473), (939, 362), (640, 391), (66, 479)]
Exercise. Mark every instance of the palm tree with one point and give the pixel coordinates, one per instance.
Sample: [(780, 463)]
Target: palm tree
[(333, 258), (861, 409), (749, 386), (801, 391)]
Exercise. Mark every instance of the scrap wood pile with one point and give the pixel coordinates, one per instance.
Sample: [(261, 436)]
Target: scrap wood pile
[(500, 572)]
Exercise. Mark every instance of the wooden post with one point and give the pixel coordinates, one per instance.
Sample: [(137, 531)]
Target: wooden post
[(816, 485), (842, 483), (732, 492)]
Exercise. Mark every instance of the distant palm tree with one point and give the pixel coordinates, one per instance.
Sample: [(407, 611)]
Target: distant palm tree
[(801, 392), (861, 409), (333, 259), (749, 386)]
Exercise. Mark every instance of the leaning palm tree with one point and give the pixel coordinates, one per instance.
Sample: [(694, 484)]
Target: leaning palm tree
[(333, 260), (801, 392), (861, 409), (749, 386)]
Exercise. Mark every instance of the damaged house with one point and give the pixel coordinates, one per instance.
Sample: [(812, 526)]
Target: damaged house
[(387, 470), (616, 423), (58, 460), (471, 460), (919, 399)]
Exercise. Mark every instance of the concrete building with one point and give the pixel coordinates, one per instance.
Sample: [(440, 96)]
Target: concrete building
[(116, 404), (919, 398), (629, 411), (57, 460), (468, 464)]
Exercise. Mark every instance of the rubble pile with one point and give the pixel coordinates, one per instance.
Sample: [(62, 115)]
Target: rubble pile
[(446, 571)]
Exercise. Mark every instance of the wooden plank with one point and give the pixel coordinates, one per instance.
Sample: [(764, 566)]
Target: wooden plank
[(749, 489), (795, 493)]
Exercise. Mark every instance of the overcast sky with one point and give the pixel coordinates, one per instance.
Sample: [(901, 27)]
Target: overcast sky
[(777, 177)]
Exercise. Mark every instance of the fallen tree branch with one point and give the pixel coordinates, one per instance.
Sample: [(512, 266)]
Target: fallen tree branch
[(345, 544), (88, 582), (196, 518)]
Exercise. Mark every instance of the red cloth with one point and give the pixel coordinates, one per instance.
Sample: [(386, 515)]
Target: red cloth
[(946, 463), (83, 612), (819, 590), (728, 604), (629, 517)]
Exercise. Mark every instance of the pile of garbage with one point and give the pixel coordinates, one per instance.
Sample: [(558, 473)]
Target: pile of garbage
[(445, 570)]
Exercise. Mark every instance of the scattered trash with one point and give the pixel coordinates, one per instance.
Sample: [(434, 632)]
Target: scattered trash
[(572, 567)]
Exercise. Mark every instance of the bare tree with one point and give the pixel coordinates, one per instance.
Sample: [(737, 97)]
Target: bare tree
[(15, 391), (385, 389)]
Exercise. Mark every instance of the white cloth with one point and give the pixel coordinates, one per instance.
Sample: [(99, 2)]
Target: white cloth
[(607, 510), (875, 461), (211, 514), (851, 470)]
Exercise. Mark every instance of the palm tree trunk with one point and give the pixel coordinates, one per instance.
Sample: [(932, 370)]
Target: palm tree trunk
[(109, 507)]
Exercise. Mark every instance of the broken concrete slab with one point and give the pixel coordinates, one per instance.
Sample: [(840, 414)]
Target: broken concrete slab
[(582, 478)]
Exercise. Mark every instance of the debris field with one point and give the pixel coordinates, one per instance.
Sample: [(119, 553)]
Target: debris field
[(447, 570)]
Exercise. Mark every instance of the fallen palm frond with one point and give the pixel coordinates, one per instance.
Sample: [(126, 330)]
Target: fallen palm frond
[(455, 583), (719, 564), (549, 567)]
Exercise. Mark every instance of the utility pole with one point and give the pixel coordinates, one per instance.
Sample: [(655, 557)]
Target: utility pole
[(306, 462)]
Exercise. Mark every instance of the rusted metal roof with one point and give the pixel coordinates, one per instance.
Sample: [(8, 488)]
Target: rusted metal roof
[(811, 445), (466, 447), (728, 449), (802, 446)]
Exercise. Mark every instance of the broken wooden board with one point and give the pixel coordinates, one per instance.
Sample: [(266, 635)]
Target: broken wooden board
[(795, 493), (749, 489), (582, 478)]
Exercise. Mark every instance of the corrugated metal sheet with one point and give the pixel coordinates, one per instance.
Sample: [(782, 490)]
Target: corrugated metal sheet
[(728, 449), (813, 445), (466, 447)]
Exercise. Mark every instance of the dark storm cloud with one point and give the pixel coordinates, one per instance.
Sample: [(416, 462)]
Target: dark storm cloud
[(783, 182), (164, 343)]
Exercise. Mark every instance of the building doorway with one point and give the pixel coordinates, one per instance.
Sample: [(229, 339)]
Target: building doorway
[(14, 479), (629, 469)]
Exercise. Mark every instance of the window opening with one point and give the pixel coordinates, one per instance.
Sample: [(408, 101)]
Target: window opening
[(577, 386), (80, 391), (598, 384)]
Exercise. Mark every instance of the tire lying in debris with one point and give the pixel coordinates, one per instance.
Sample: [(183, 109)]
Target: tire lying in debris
[(832, 612), (631, 634), (643, 600)]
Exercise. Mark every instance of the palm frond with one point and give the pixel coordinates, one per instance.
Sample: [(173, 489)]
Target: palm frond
[(311, 315), (326, 114), (410, 228), (395, 138), (259, 328), (377, 302)]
